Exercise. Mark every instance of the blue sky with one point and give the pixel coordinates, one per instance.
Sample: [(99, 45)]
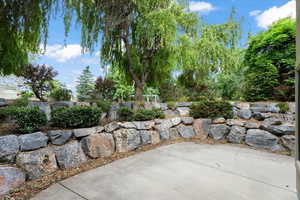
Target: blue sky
[(69, 61)]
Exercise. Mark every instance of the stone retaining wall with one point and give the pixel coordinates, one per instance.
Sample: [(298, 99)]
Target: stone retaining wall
[(35, 155)]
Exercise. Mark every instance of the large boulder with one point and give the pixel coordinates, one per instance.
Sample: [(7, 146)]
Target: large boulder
[(10, 178), (175, 121), (183, 111), (164, 134), (174, 133), (82, 132), (252, 125), (60, 137), (33, 141), (60, 104), (237, 134), (289, 142), (44, 106), (111, 127), (187, 120), (170, 113), (245, 114), (262, 139), (201, 127), (69, 155), (38, 163), (219, 131), (98, 145), (235, 122), (220, 120), (146, 137), (186, 131), (183, 104), (258, 116), (164, 124), (279, 130), (272, 121), (127, 125), (163, 106), (155, 137), (9, 147), (145, 125), (127, 140)]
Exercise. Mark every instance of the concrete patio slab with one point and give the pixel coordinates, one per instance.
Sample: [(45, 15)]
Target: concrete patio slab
[(185, 171)]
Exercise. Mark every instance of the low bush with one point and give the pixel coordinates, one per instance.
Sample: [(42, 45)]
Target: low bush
[(103, 105), (283, 107), (28, 119), (171, 105), (212, 109), (21, 102), (61, 94), (125, 114), (6, 112), (75, 117)]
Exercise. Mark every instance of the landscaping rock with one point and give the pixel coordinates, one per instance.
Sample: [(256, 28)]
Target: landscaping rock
[(183, 111), (9, 147), (289, 142), (164, 134), (145, 125), (32, 141), (69, 155), (187, 120), (111, 127), (59, 104), (259, 109), (82, 104), (127, 125), (235, 122), (242, 105), (252, 125), (174, 133), (127, 105), (272, 107), (258, 116), (165, 124), (262, 139), (279, 130), (99, 129), (175, 121), (292, 108), (183, 104), (3, 102), (245, 114), (127, 140), (220, 120), (272, 121), (113, 112), (186, 131), (163, 106), (10, 178), (237, 134), (201, 127), (170, 113), (44, 106), (60, 137), (38, 163), (82, 132), (155, 137), (219, 131), (145, 137), (98, 145)]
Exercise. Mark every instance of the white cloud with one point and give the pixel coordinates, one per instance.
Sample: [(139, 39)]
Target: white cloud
[(63, 53), (254, 12), (201, 7), (273, 14)]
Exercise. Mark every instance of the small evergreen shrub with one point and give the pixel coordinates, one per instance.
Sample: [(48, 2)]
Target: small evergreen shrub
[(144, 115), (171, 105), (211, 109), (283, 107), (75, 117), (125, 114), (28, 119), (61, 94), (103, 105)]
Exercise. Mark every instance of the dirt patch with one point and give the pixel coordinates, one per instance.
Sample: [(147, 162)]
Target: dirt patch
[(31, 188)]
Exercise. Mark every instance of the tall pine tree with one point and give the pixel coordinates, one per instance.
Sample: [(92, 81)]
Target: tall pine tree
[(85, 86)]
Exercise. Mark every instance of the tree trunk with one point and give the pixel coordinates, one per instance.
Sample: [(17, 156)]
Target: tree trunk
[(139, 87)]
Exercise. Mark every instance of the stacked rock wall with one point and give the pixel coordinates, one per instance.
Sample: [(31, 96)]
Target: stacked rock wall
[(31, 156)]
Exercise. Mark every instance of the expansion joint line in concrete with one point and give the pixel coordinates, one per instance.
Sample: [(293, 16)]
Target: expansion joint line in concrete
[(69, 189)]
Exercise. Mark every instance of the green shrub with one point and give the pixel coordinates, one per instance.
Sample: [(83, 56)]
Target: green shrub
[(103, 105), (283, 107), (61, 94), (125, 114), (21, 102), (171, 105), (144, 115), (28, 119), (212, 109), (75, 117)]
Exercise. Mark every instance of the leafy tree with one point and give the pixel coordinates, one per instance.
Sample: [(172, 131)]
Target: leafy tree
[(270, 59), (39, 79), (85, 86), (138, 36), (24, 26), (105, 88)]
